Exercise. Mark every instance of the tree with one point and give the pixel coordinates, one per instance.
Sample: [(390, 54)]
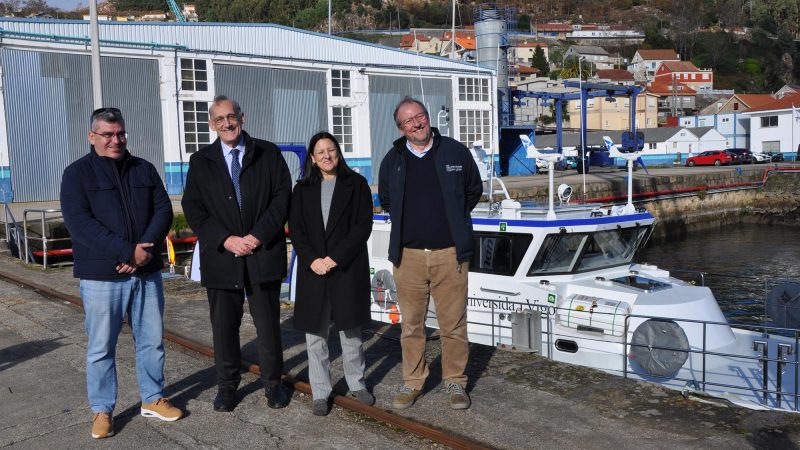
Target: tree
[(540, 62), (575, 67)]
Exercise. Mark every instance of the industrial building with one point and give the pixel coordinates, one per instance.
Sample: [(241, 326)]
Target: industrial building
[(290, 83)]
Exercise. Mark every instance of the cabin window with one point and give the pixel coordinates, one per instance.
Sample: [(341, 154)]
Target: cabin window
[(340, 83), (563, 253), (196, 134), (498, 253), (194, 75)]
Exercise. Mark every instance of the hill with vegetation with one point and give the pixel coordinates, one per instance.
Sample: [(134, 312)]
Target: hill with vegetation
[(752, 46)]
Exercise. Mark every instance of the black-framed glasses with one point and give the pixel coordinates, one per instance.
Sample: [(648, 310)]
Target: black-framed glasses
[(232, 118), (421, 118), (108, 135)]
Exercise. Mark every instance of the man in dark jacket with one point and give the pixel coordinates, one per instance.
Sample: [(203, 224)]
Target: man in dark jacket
[(118, 214), (429, 184), (237, 200)]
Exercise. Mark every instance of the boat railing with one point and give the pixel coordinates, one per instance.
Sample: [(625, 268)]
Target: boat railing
[(501, 334)]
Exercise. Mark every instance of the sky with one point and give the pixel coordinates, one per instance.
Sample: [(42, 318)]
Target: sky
[(67, 5)]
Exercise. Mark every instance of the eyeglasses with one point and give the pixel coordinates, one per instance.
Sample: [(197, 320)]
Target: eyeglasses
[(122, 135), (421, 118), (232, 118)]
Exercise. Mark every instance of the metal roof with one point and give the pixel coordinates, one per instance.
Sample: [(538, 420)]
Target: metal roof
[(262, 40)]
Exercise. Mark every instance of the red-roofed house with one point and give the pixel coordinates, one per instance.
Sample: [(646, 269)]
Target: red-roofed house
[(615, 76), (465, 44), (673, 100), (739, 103), (519, 73), (775, 126), (553, 30), (684, 72), (421, 43), (522, 52), (645, 62)]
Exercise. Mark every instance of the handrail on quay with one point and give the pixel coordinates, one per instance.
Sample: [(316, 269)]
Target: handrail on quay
[(45, 240)]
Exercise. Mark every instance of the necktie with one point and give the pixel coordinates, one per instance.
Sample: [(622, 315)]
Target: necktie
[(236, 171)]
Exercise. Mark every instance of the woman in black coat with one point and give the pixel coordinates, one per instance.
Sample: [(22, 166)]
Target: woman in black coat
[(330, 221)]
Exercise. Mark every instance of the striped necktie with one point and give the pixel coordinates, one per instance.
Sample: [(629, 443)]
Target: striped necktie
[(236, 171)]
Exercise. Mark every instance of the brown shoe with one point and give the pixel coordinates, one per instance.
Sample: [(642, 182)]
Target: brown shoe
[(102, 425), (405, 398), (161, 409), (458, 396)]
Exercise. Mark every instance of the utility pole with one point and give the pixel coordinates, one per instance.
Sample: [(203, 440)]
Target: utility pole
[(94, 31), (329, 17), (453, 34)]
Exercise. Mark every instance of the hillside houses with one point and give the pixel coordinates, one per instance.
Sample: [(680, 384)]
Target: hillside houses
[(645, 62)]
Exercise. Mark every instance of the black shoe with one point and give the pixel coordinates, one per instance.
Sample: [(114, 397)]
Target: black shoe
[(226, 399), (320, 407), (276, 396)]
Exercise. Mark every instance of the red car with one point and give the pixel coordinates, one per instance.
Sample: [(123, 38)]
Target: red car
[(711, 157)]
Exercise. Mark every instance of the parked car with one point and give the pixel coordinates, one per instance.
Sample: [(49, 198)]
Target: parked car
[(744, 155), (761, 157), (571, 162), (710, 157), (776, 156)]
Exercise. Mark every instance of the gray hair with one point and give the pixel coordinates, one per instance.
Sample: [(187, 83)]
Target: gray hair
[(406, 101), (237, 109), (109, 115)]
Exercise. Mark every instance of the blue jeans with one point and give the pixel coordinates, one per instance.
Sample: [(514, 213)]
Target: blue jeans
[(106, 303)]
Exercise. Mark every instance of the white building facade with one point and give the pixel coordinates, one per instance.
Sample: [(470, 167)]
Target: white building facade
[(290, 83)]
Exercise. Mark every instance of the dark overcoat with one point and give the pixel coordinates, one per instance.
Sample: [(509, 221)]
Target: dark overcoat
[(347, 286), (209, 203)]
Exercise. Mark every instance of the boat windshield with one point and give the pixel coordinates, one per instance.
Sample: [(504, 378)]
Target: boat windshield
[(581, 252)]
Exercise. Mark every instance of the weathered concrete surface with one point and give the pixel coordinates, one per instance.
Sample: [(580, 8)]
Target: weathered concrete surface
[(519, 400)]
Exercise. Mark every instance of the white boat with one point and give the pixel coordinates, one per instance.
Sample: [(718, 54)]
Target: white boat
[(560, 281)]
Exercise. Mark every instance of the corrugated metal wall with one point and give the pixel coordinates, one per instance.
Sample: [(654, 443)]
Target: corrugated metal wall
[(284, 42), (48, 103), (282, 106), (385, 92)]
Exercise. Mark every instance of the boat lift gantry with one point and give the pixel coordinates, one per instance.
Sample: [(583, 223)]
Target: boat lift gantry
[(586, 91)]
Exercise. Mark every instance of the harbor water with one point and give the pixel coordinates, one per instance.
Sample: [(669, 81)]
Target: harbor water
[(740, 263)]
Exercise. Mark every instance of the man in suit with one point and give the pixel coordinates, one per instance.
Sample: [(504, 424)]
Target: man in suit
[(236, 200)]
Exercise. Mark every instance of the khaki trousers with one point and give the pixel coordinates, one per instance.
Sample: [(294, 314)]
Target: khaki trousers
[(436, 273)]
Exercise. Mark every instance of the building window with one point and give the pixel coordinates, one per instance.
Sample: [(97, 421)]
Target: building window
[(473, 89), (194, 75), (769, 121), (195, 126), (343, 127), (340, 83), (474, 126), (771, 146), (725, 119)]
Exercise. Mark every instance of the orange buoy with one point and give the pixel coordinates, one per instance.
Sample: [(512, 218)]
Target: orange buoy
[(394, 315)]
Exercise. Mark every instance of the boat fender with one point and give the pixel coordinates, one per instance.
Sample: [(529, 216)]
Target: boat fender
[(659, 348), (384, 290), (783, 305)]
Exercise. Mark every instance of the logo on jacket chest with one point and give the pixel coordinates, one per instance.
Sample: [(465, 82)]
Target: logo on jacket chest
[(453, 168)]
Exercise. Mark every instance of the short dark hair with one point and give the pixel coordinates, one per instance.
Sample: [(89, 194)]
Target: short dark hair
[(237, 109), (109, 115), (311, 173), (405, 101)]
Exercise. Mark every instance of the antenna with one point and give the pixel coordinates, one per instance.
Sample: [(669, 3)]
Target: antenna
[(551, 159)]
